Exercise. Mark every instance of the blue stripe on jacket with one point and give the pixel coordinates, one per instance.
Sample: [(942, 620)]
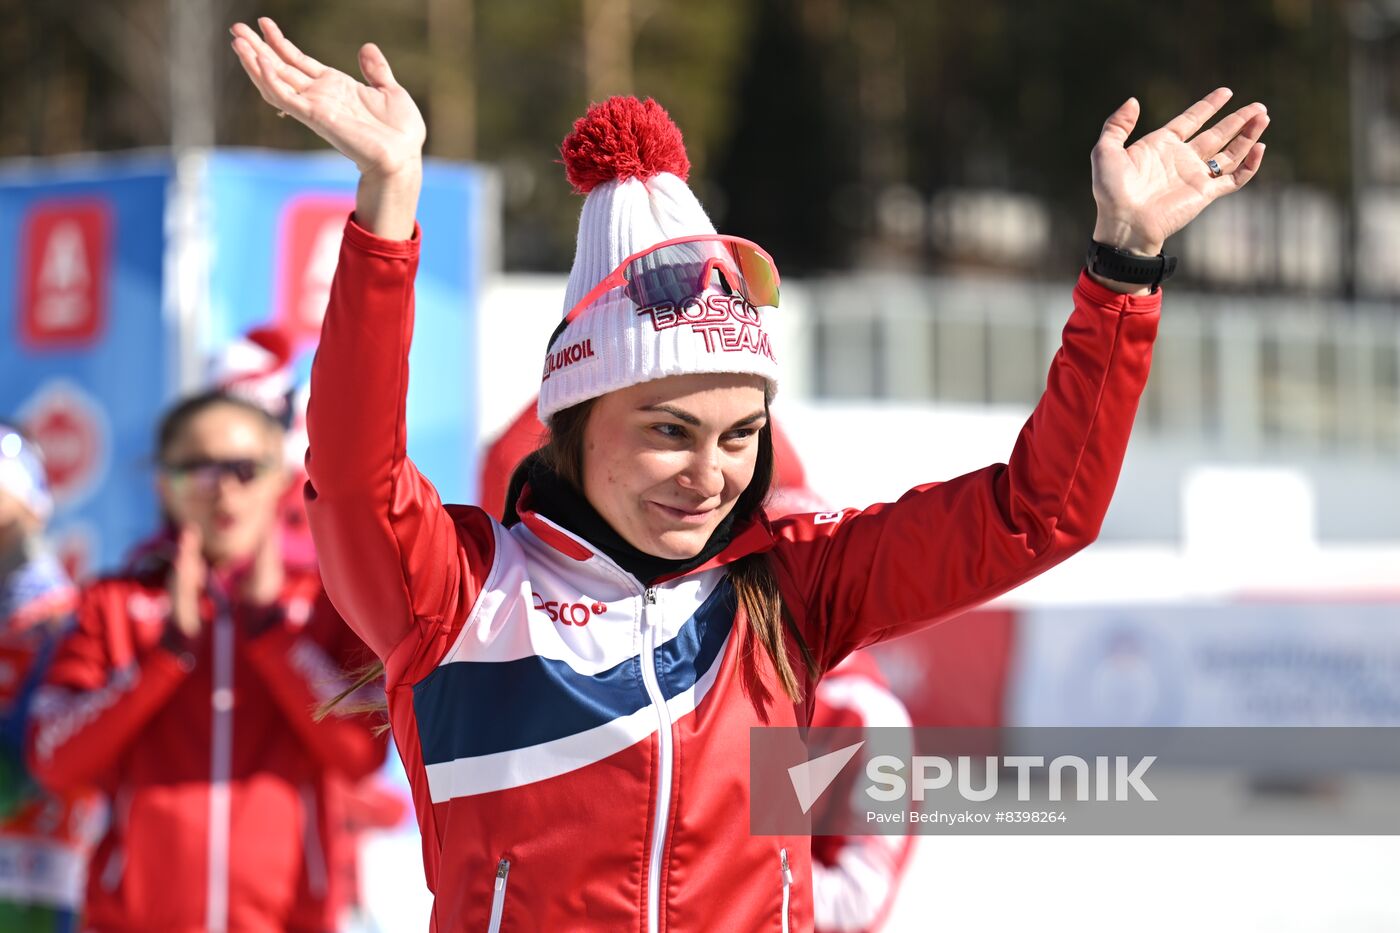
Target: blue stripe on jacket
[(466, 709)]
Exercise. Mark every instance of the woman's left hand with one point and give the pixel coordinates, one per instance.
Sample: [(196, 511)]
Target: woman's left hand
[(1151, 189)]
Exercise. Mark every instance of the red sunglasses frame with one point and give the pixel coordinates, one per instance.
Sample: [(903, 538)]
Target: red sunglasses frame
[(616, 279)]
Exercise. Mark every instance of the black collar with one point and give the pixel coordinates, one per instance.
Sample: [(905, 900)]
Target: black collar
[(557, 500)]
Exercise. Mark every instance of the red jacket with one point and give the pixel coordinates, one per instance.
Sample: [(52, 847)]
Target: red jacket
[(577, 740), (855, 879), (215, 768)]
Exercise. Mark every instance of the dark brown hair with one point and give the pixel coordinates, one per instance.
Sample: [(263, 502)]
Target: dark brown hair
[(173, 422)]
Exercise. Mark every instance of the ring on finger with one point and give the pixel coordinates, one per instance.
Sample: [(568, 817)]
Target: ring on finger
[(283, 113), (1211, 165)]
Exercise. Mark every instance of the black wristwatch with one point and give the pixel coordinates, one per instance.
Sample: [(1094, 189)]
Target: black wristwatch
[(1123, 266)]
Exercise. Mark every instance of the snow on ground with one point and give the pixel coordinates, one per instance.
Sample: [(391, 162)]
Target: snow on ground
[(1252, 884)]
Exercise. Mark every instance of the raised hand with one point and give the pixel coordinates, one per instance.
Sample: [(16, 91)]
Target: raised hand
[(1153, 188), (374, 124)]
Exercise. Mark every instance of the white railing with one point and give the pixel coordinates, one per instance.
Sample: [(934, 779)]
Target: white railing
[(1246, 375)]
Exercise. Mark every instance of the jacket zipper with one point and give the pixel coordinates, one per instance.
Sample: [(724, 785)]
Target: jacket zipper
[(113, 870), (498, 896), (220, 766), (652, 614), (787, 886), (312, 855)]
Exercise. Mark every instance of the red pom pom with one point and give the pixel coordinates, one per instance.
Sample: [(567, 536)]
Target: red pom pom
[(273, 340), (623, 138)]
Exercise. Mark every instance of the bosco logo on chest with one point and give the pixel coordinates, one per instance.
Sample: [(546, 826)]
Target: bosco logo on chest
[(578, 613)]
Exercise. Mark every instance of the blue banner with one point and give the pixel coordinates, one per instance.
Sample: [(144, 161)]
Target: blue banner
[(275, 222), (108, 320), (86, 361)]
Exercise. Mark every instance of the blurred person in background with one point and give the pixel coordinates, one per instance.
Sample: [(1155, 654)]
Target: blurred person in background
[(573, 695), (259, 367), (44, 838), (855, 877), (187, 690)]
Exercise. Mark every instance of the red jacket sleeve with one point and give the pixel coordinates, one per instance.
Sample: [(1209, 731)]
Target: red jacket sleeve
[(853, 578), (303, 667), (93, 705), (401, 570)]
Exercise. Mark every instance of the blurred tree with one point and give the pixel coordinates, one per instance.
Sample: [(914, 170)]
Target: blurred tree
[(452, 77), (819, 127), (1014, 95), (790, 156), (609, 32), (83, 78)]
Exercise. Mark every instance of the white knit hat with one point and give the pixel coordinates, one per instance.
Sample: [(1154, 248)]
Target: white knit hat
[(628, 159), (257, 367)]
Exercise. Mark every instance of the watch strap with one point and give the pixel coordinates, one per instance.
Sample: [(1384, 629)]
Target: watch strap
[(1122, 266)]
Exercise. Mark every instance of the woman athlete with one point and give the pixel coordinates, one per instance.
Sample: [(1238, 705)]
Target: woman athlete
[(572, 692)]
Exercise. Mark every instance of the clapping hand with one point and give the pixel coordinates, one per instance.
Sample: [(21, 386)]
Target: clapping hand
[(262, 584), (185, 583)]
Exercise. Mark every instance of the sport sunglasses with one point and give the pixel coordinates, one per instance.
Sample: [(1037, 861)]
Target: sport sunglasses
[(205, 474), (677, 270)]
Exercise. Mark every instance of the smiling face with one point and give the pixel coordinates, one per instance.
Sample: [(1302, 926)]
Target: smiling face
[(664, 462), (222, 472)]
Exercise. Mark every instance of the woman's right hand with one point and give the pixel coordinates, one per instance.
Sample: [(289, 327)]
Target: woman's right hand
[(375, 125)]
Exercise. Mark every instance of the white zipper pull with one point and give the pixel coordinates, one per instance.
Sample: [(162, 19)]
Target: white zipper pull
[(498, 897), (651, 631), (787, 888)]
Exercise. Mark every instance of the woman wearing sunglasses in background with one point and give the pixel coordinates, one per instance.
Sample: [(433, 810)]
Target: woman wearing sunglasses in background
[(572, 692), (186, 694)]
